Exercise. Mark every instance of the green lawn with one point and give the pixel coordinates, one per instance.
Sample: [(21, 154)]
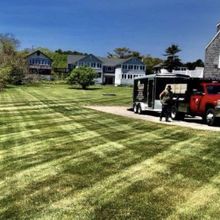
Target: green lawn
[(59, 160)]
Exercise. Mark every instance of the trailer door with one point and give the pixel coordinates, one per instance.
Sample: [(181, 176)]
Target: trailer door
[(150, 93)]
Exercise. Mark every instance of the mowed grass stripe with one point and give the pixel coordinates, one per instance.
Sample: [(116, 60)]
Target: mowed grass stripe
[(99, 166)]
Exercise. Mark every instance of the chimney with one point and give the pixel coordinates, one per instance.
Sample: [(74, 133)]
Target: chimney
[(218, 27)]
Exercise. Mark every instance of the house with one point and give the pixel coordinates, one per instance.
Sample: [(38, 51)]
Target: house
[(110, 70), (197, 73), (39, 64), (212, 57)]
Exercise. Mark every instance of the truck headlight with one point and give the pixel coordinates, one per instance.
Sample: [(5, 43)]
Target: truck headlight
[(218, 103)]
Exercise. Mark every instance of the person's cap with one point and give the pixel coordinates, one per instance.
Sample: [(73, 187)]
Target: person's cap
[(169, 87)]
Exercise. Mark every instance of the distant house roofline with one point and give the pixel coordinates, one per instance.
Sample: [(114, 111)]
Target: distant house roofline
[(41, 53), (213, 38), (105, 60)]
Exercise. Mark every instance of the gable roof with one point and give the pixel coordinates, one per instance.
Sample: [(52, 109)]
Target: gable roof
[(72, 59), (91, 58), (38, 51), (111, 61), (216, 35)]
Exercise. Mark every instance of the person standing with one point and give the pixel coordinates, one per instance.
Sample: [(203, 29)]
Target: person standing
[(166, 97)]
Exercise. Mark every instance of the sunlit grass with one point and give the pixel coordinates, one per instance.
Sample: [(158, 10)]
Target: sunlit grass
[(59, 160)]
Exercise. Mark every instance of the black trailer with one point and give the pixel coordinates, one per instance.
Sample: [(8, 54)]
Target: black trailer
[(147, 90)]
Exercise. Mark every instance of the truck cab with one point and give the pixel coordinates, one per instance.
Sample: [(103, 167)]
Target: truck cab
[(205, 101)]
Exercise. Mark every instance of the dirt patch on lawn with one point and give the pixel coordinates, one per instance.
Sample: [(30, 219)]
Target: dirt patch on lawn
[(190, 122)]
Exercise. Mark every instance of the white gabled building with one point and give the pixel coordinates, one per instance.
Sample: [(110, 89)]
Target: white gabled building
[(110, 70)]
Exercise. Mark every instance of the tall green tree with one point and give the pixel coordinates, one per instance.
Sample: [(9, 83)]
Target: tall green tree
[(8, 44), (120, 52), (172, 58), (83, 76), (11, 60), (150, 62)]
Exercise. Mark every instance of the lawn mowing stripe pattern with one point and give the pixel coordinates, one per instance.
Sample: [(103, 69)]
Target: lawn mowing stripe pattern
[(59, 160)]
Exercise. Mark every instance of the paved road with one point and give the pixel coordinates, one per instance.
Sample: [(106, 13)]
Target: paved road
[(190, 122)]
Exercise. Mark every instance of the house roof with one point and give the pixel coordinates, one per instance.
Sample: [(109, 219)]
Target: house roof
[(216, 35), (36, 51), (105, 61), (75, 58), (112, 61), (160, 65)]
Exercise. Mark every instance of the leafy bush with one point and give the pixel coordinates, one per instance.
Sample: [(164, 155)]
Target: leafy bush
[(83, 76), (4, 76)]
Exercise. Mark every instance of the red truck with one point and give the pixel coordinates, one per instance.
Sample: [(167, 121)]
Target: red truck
[(202, 99), (195, 97)]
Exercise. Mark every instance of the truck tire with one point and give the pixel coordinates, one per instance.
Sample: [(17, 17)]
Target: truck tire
[(175, 115), (210, 117)]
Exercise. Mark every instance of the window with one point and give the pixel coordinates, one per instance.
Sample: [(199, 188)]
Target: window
[(135, 67), (99, 65), (125, 67), (130, 67), (99, 75), (213, 89), (93, 64)]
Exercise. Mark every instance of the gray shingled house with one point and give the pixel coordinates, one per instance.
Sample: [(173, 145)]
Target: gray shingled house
[(212, 57)]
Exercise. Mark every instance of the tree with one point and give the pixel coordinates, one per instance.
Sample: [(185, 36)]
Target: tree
[(8, 44), (150, 62), (19, 70), (193, 65), (11, 60), (172, 60), (83, 76), (120, 52)]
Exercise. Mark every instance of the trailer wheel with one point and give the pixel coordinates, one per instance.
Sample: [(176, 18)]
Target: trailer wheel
[(139, 110), (175, 115), (135, 108), (210, 117)]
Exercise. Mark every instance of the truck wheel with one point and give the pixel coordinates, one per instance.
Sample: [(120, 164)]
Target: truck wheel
[(210, 117)]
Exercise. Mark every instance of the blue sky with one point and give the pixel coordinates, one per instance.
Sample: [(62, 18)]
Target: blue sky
[(99, 26)]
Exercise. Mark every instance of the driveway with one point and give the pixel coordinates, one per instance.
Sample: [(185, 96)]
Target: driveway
[(190, 122)]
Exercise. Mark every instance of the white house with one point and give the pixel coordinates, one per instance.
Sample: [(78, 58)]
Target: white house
[(110, 70)]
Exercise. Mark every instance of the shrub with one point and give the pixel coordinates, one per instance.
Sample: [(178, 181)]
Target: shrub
[(4, 76), (83, 76)]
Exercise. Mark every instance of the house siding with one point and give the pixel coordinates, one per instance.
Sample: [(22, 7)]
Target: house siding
[(212, 70)]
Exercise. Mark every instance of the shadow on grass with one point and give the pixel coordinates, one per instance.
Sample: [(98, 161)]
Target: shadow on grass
[(87, 89)]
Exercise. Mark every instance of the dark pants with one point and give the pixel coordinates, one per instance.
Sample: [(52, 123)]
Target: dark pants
[(165, 112)]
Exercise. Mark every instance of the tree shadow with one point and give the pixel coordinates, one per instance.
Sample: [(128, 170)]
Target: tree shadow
[(87, 89)]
